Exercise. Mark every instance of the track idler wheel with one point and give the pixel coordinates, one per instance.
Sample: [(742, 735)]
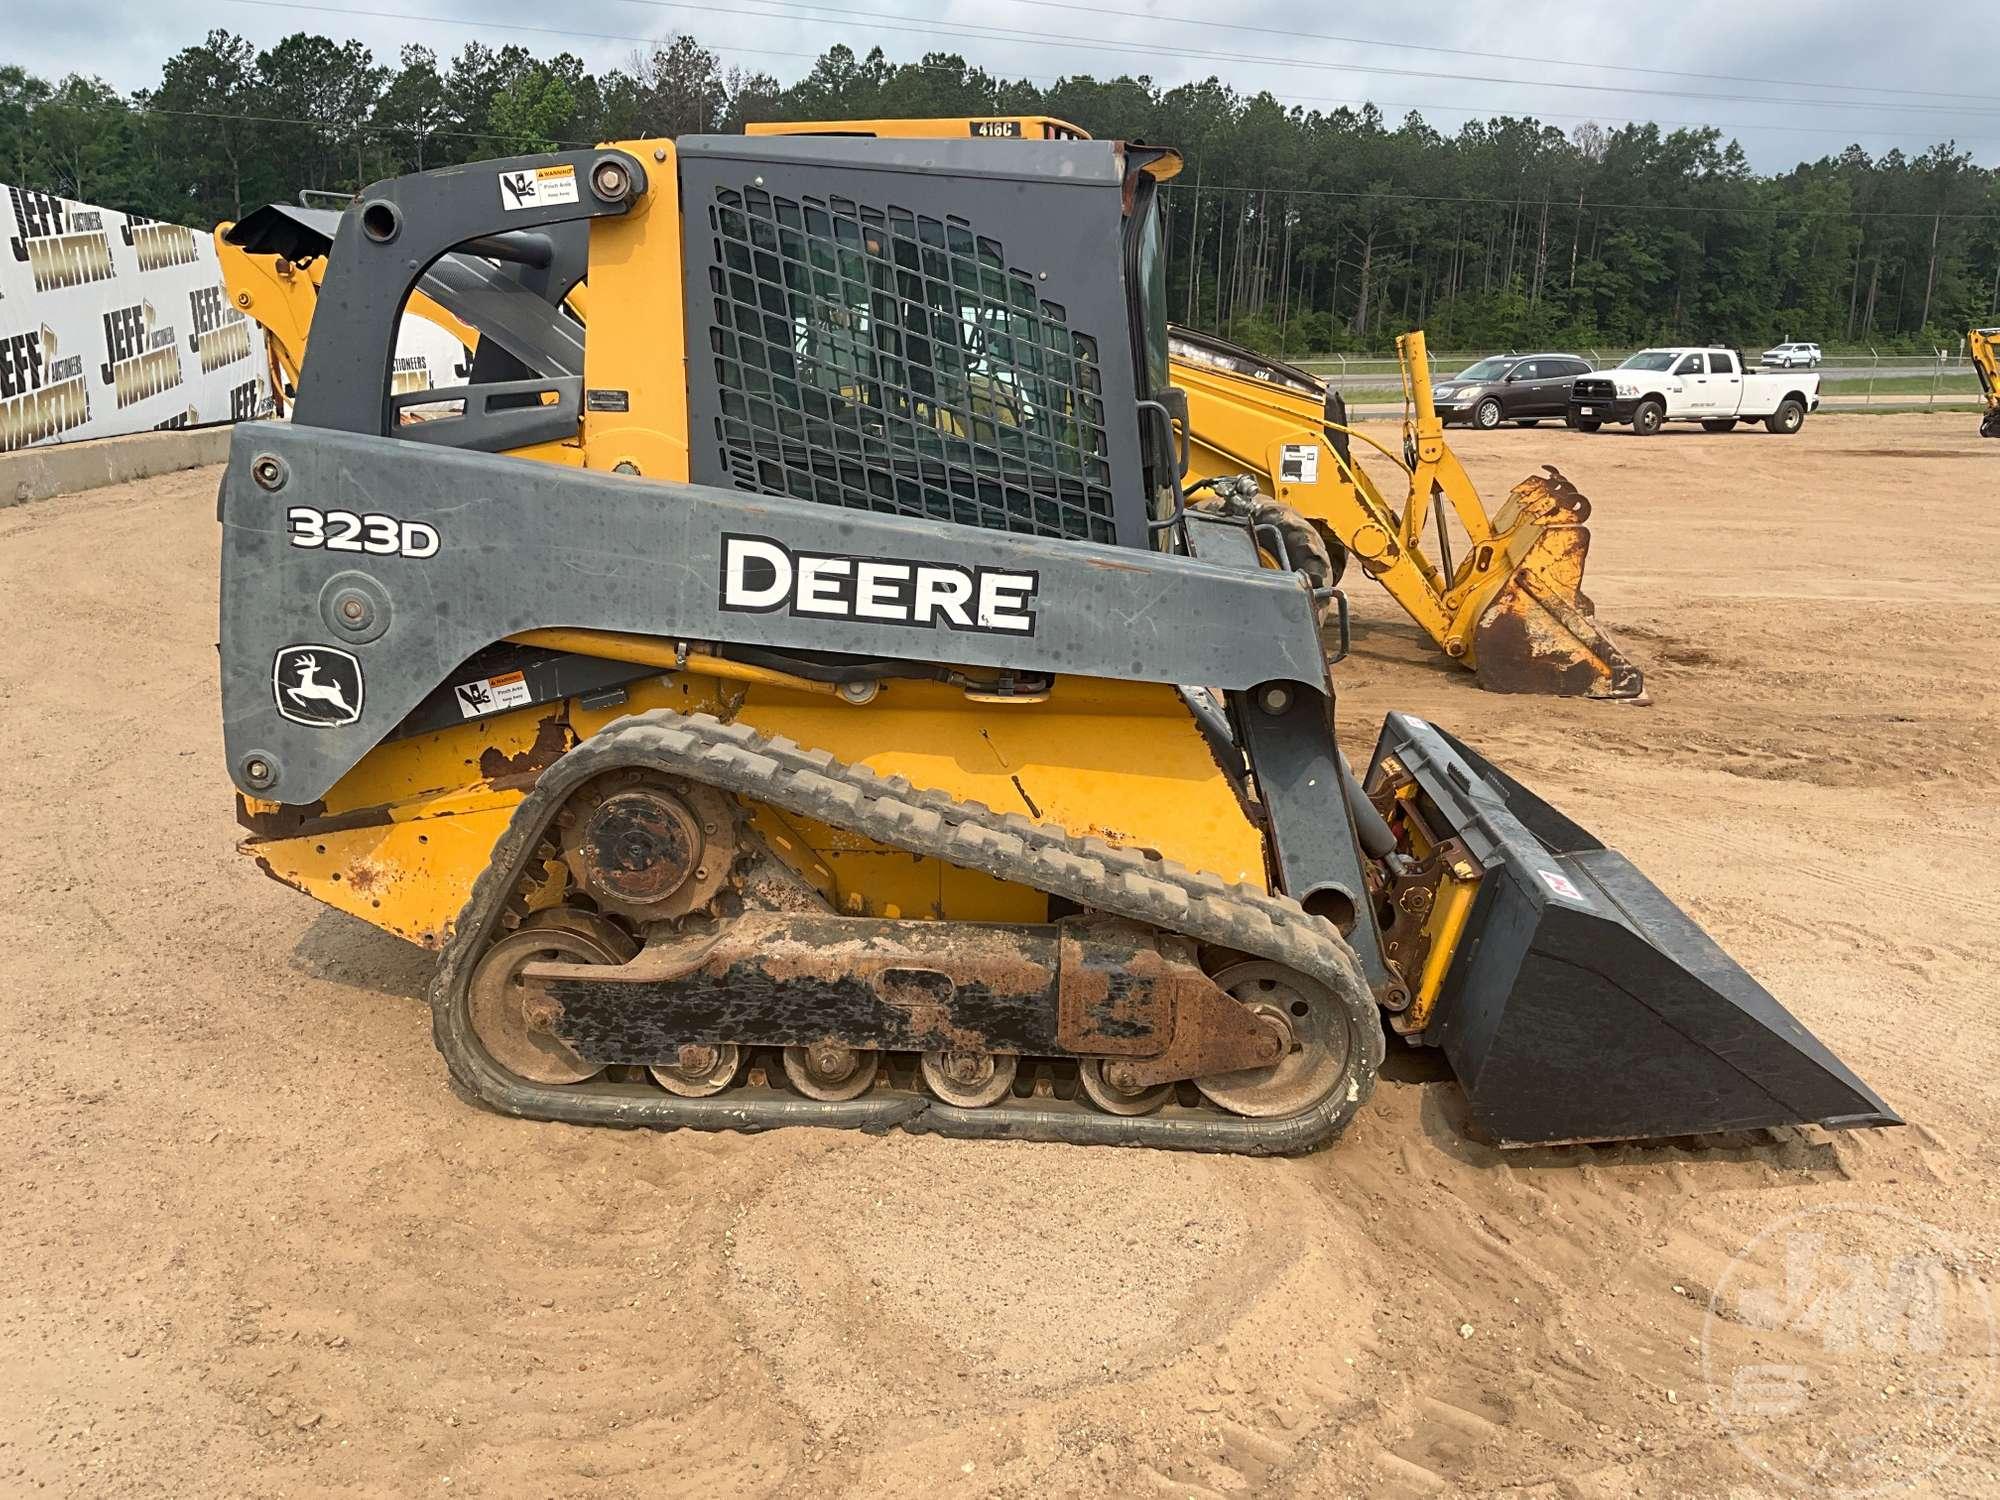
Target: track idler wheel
[(513, 1025), (1314, 1026)]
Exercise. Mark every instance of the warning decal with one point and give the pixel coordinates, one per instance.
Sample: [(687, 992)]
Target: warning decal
[(1562, 885), (1298, 463), (537, 188), (492, 695)]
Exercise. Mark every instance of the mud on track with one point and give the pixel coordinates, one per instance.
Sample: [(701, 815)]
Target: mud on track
[(255, 1246)]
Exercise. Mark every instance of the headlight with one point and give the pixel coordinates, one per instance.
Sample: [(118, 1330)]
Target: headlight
[(1440, 390)]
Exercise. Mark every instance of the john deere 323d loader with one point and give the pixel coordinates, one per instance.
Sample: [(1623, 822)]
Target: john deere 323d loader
[(827, 708)]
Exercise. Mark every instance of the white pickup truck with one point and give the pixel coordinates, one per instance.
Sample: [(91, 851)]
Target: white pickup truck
[(1709, 386)]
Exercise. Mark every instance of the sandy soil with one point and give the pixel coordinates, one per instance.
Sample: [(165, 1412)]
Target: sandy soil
[(255, 1246)]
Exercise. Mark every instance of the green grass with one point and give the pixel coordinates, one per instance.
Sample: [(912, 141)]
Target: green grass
[(1943, 408), (1904, 385)]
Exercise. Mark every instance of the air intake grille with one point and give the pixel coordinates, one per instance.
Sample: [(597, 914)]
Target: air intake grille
[(880, 359)]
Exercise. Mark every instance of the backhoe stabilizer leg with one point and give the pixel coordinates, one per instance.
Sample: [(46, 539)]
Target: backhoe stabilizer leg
[(1580, 1003)]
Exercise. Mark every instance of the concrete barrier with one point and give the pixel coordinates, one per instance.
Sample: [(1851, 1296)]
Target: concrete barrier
[(65, 468)]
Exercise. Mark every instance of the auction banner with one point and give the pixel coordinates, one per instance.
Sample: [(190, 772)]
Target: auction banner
[(111, 323)]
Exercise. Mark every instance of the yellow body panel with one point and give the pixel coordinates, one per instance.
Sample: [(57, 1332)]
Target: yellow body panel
[(635, 267), (410, 877), (400, 839)]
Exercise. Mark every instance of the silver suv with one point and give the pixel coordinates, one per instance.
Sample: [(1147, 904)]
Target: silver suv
[(1786, 356)]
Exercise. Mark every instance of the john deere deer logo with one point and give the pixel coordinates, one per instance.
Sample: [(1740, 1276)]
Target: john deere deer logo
[(318, 686)]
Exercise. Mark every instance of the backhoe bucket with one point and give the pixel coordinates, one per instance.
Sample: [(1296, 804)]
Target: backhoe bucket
[(1539, 633), (1579, 1003)]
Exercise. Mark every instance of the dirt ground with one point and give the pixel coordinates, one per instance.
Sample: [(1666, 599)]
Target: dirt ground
[(255, 1246)]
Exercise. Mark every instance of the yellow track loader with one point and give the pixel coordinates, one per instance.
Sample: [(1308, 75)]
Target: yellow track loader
[(769, 724), (1984, 344)]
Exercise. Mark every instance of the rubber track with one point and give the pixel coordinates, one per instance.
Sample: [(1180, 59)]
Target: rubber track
[(889, 810)]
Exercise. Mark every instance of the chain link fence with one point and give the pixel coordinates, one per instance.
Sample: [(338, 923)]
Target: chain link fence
[(1860, 377)]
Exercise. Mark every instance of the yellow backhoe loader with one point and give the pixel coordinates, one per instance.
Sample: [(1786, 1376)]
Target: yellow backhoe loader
[(1984, 344), (767, 724), (1512, 608)]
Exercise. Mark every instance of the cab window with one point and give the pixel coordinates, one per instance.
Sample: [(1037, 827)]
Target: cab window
[(1149, 273), (1723, 364), (1692, 365)]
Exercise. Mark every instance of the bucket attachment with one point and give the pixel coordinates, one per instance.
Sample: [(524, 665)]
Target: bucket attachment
[(1573, 999), (1539, 633)]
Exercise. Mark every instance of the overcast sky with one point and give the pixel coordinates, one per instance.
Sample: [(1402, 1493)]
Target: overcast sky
[(1888, 75)]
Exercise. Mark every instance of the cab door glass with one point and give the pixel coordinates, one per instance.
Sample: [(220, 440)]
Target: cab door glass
[(1692, 365), (1148, 270), (1724, 364)]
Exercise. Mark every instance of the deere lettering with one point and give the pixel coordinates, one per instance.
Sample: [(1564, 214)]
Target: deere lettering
[(761, 574), (221, 334), (62, 244), (140, 360), (41, 395), (159, 244)]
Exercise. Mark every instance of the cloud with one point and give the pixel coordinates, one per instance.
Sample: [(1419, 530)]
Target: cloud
[(1943, 48)]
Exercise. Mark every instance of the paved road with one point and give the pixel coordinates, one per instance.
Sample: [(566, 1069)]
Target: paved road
[(1375, 374), (1885, 397)]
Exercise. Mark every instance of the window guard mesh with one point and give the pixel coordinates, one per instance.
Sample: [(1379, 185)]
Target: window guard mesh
[(881, 359)]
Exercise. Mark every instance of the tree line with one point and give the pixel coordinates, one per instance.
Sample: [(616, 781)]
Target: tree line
[(1292, 229)]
